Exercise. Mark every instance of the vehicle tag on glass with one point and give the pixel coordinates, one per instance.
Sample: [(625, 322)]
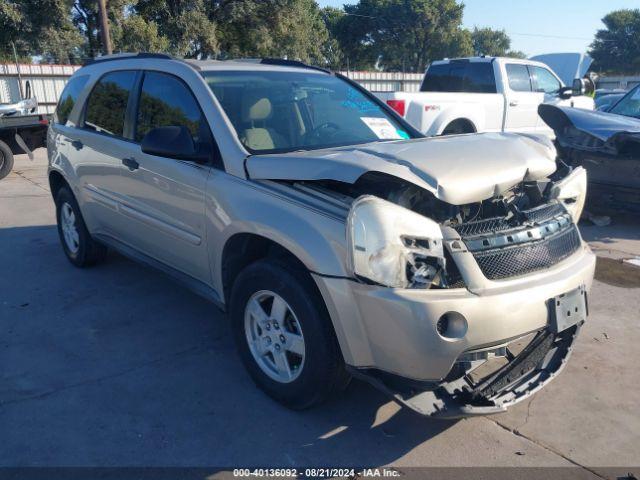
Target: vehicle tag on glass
[(568, 309), (382, 128)]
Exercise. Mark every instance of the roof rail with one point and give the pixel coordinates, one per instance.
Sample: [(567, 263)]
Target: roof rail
[(292, 63), (126, 56)]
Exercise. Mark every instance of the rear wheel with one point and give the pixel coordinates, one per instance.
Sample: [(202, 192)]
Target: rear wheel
[(6, 160), (284, 334), (458, 127), (78, 245)]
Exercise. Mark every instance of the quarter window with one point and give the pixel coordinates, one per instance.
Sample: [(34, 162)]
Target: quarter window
[(167, 102), (545, 81), (68, 98), (519, 79), (107, 103)]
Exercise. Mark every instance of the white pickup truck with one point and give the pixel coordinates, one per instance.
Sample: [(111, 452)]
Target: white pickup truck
[(485, 94)]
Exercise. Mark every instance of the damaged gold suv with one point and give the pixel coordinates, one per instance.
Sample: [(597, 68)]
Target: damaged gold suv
[(447, 272)]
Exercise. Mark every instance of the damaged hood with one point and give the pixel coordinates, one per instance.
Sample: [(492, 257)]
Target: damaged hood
[(457, 170)]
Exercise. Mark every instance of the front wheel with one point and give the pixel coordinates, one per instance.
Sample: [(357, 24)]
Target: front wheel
[(284, 335)]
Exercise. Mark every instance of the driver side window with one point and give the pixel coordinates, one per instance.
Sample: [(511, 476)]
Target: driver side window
[(166, 101), (545, 80)]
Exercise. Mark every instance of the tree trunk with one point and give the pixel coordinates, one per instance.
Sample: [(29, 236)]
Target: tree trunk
[(104, 27)]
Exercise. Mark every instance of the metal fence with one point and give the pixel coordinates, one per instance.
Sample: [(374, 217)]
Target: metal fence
[(387, 81), (47, 82), (624, 82)]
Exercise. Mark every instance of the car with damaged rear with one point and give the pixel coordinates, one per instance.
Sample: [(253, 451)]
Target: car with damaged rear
[(447, 272)]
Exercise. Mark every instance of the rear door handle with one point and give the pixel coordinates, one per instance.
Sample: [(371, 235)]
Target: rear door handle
[(130, 163), (77, 144), (513, 103)]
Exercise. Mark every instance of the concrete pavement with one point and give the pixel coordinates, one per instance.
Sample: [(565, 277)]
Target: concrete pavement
[(118, 365)]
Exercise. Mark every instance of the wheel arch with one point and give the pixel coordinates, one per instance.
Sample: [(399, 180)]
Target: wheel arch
[(56, 182), (467, 124), (242, 249)]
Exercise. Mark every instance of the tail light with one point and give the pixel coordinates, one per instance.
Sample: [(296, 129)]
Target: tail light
[(398, 106)]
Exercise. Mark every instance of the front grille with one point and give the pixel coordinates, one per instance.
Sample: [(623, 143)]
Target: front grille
[(536, 215), (544, 212), (529, 257), (471, 229)]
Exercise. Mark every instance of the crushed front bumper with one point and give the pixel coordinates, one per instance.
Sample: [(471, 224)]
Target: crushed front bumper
[(524, 374), (389, 333)]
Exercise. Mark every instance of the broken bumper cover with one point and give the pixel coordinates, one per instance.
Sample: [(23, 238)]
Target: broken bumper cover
[(539, 363)]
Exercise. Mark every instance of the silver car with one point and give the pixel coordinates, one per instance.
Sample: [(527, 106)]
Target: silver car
[(448, 272)]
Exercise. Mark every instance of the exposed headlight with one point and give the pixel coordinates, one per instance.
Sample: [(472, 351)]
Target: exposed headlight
[(393, 246), (572, 192)]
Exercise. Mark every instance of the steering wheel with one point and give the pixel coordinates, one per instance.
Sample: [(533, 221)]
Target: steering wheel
[(322, 132)]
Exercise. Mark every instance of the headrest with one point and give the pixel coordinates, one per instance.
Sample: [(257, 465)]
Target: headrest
[(256, 109)]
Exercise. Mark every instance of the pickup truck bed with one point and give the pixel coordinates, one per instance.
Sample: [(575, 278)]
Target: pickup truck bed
[(20, 134)]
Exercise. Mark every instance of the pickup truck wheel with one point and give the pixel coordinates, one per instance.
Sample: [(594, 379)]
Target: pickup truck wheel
[(6, 160), (284, 335), (78, 245)]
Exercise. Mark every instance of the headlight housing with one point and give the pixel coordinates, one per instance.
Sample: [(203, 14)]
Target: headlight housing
[(572, 192), (393, 246)]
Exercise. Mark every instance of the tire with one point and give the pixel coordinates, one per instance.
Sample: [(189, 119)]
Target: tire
[(6, 160), (457, 127), (321, 372), (82, 250)]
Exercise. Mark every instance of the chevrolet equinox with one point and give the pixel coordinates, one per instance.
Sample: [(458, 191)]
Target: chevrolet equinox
[(448, 272)]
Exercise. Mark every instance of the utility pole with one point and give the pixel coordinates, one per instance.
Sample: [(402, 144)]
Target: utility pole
[(104, 27)]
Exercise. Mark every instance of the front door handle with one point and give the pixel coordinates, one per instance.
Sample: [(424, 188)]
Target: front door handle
[(77, 144), (130, 163), (513, 103)]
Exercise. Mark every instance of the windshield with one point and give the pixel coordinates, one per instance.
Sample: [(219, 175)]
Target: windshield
[(629, 105), (285, 111)]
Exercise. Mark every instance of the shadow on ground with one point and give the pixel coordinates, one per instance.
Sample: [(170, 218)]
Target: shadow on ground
[(118, 365)]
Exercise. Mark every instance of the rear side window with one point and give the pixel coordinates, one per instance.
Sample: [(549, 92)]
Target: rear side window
[(68, 98), (519, 79), (167, 102), (107, 103), (470, 77)]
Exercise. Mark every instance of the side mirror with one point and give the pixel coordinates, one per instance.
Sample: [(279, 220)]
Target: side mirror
[(579, 87), (172, 142)]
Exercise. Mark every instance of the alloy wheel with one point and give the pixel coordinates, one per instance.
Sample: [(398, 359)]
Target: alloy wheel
[(69, 229), (274, 336)]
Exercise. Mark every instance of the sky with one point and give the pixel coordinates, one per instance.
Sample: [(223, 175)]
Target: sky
[(538, 26)]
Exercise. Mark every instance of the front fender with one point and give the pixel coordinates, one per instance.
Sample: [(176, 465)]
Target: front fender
[(315, 236)]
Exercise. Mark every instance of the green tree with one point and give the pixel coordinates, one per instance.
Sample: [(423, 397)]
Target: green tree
[(273, 28), (138, 35), (38, 28), (348, 50), (405, 35), (616, 48), (10, 21), (516, 54), (486, 41), (493, 43), (84, 14), (185, 23)]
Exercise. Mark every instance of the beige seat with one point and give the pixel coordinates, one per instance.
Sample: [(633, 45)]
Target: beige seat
[(254, 111)]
